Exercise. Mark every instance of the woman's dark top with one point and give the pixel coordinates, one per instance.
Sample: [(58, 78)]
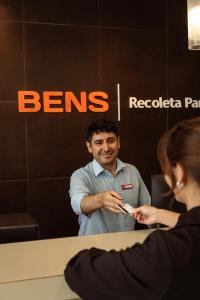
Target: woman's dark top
[(166, 266)]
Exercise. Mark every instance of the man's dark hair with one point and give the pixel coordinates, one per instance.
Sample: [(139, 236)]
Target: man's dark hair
[(101, 125)]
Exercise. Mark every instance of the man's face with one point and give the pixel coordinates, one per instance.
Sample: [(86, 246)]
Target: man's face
[(104, 147)]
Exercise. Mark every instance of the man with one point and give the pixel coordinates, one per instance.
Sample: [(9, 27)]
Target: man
[(104, 183)]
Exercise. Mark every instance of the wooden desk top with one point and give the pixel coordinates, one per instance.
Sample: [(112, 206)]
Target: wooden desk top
[(24, 262)]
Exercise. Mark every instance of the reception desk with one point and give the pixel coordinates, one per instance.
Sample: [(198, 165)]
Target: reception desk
[(34, 270)]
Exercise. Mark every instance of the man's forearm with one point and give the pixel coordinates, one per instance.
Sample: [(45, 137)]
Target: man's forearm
[(91, 203)]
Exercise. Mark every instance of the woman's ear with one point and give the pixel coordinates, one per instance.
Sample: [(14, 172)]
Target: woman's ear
[(179, 173)]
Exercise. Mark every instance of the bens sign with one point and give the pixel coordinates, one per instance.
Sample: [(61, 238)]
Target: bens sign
[(96, 101), (58, 101)]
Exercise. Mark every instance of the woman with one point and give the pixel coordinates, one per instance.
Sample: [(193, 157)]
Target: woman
[(166, 266)]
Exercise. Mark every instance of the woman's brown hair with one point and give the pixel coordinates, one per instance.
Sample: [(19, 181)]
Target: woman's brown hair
[(181, 144)]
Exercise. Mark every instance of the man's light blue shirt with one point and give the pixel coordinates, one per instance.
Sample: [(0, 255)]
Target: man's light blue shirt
[(93, 179)]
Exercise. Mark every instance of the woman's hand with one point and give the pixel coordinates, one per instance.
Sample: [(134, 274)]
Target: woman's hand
[(146, 214)]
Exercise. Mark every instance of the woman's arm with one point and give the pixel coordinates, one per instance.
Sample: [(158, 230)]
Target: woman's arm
[(147, 214)]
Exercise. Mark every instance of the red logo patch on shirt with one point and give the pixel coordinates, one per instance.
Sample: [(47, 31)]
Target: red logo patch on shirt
[(127, 186)]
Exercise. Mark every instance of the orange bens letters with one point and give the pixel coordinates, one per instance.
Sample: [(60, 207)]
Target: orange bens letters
[(30, 103), (71, 98), (49, 102), (103, 104), (58, 101)]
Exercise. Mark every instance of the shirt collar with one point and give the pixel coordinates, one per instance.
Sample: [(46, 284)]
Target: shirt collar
[(99, 169)]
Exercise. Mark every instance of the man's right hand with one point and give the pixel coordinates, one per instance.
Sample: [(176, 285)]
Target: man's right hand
[(108, 200)]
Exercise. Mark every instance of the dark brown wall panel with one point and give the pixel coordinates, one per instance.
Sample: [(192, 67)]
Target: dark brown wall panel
[(13, 195), (11, 10), (136, 14), (50, 204), (76, 12), (61, 57), (13, 142), (12, 60), (136, 60)]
